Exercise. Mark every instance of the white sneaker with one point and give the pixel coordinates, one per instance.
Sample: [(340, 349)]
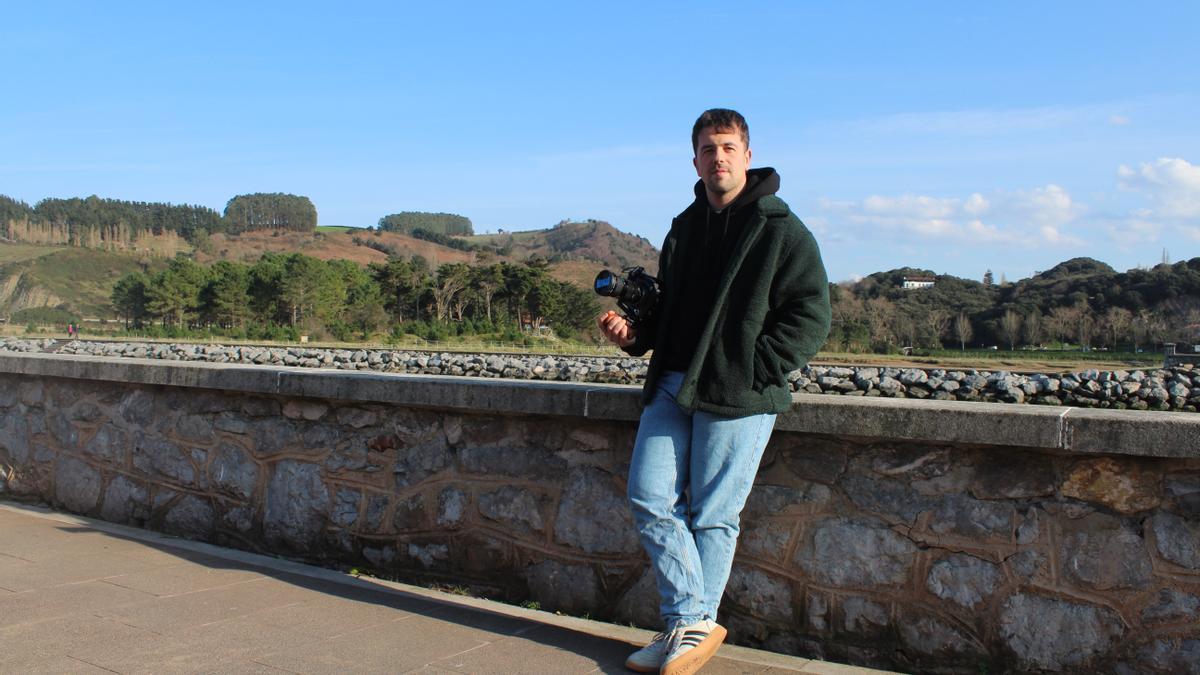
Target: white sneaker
[(690, 647), (649, 659)]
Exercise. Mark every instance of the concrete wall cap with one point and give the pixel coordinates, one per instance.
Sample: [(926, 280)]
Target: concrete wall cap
[(1076, 430)]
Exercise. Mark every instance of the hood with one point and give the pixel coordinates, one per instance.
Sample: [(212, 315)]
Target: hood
[(759, 183)]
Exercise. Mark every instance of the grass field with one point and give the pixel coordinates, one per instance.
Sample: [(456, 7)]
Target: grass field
[(336, 228), (11, 253)]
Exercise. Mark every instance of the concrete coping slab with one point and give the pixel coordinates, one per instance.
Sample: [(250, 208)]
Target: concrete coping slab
[(1073, 430)]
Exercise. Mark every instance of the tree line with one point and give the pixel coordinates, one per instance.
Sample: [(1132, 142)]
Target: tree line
[(302, 294), (77, 221), (270, 211), (1080, 302), (406, 222)]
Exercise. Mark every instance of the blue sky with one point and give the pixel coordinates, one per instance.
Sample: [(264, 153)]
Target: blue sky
[(1006, 137)]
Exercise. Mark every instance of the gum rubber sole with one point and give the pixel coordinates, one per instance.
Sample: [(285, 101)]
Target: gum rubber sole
[(697, 657)]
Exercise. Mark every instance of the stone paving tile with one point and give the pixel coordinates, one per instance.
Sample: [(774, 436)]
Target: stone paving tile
[(826, 668), (397, 646), (60, 665), (216, 647), (720, 666), (325, 617), (183, 611), (569, 651), (383, 597), (180, 613), (55, 543), (167, 556), (49, 603), (193, 662), (33, 642), (489, 621), (181, 578), (11, 568), (69, 570)]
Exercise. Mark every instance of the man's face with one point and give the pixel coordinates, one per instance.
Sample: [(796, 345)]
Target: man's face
[(721, 161)]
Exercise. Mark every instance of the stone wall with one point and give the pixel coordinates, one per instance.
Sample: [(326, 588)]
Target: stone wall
[(916, 535)]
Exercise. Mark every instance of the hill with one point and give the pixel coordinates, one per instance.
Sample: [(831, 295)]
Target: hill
[(361, 246), (590, 240), (1081, 301), (79, 279), (51, 274)]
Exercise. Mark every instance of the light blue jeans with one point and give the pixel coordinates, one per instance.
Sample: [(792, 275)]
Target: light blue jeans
[(688, 480)]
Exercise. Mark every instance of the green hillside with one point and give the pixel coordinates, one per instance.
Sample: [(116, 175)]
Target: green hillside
[(80, 278), (590, 240), (11, 253)]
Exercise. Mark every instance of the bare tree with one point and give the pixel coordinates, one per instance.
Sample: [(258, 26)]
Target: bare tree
[(1141, 327), (1117, 322), (1179, 318), (1033, 327), (880, 312), (1010, 327), (1062, 322), (1085, 324), (963, 330), (938, 322), (904, 328)]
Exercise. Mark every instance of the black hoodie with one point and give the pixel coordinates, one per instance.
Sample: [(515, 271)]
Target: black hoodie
[(714, 236), (769, 315)]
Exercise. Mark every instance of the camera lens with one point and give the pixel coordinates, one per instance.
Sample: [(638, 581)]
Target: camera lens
[(608, 284)]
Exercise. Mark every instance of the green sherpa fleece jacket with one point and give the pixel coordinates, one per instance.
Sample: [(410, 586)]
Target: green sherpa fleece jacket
[(770, 315)]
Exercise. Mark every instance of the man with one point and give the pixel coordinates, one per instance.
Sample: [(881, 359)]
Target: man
[(744, 301)]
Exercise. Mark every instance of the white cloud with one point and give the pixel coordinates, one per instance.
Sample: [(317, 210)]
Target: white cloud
[(990, 233), (1171, 184), (1119, 120), (976, 204), (1049, 205), (1025, 218), (910, 206), (1053, 236), (1134, 231)]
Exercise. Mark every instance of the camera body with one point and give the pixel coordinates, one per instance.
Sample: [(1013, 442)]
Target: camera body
[(636, 292)]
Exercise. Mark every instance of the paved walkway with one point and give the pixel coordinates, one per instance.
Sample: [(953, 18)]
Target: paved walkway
[(84, 596)]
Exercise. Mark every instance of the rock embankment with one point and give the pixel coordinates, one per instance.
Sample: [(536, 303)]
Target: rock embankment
[(1176, 388)]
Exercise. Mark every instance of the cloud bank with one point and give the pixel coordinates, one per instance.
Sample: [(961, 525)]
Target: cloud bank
[(1023, 218), (1167, 192)]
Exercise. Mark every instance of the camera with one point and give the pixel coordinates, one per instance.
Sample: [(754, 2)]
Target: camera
[(636, 292)]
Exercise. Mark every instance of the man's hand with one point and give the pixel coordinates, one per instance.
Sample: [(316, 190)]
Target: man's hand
[(616, 329)]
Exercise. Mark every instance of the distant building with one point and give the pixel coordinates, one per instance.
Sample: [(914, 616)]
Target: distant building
[(918, 282), (1172, 358)]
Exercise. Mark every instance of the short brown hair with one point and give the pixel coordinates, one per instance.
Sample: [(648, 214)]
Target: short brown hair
[(720, 119)]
